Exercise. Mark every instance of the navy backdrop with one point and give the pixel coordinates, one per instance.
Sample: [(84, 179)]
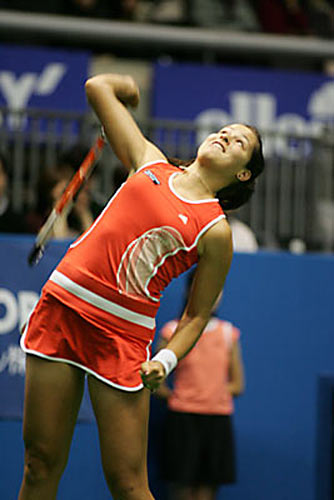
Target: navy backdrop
[(283, 305)]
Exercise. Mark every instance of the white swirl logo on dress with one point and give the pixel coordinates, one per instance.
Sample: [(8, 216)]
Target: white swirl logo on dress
[(143, 257)]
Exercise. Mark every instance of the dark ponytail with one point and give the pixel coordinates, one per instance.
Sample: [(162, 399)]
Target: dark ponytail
[(177, 162), (235, 195)]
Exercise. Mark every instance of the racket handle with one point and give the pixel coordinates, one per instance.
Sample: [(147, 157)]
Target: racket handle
[(35, 255), (38, 249)]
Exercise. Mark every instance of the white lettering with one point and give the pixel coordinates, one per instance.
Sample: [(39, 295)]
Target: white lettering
[(241, 106), (321, 102), (26, 302), (265, 110), (16, 310), (290, 124), (50, 78), (210, 120), (261, 110), (14, 360), (9, 320), (248, 107), (18, 91)]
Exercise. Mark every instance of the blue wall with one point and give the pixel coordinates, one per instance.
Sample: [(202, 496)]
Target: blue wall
[(283, 305)]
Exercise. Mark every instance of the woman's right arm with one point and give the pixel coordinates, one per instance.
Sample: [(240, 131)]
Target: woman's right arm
[(109, 95)]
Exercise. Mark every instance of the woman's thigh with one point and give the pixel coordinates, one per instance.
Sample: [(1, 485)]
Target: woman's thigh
[(53, 394), (122, 419)]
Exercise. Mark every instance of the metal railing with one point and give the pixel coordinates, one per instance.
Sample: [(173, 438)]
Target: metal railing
[(157, 38), (294, 199)]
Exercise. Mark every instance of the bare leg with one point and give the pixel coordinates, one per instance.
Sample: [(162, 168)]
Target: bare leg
[(122, 419), (200, 492), (53, 395), (205, 492), (182, 492)]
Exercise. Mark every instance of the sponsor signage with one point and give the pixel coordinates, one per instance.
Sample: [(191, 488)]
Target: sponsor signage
[(286, 103), (41, 78), (20, 287)]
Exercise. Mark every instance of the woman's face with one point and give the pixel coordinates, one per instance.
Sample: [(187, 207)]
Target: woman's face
[(229, 149)]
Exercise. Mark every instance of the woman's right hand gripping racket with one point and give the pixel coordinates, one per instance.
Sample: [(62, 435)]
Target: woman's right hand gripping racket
[(66, 200)]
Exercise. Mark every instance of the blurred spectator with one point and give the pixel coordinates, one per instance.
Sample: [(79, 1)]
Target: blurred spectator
[(69, 162), (295, 17), (224, 14), (52, 183), (106, 9), (243, 237), (164, 12), (198, 454), (288, 17), (10, 222), (51, 6), (321, 15)]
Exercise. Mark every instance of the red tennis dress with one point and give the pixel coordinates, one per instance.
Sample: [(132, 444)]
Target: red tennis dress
[(97, 310)]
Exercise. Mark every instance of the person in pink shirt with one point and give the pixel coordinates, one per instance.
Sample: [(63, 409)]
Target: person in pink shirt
[(198, 452)]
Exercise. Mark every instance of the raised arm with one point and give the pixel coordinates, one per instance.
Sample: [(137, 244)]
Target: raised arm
[(109, 95), (215, 258)]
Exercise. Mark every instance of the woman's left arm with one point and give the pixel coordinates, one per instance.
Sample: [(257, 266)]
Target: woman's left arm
[(236, 382), (215, 250)]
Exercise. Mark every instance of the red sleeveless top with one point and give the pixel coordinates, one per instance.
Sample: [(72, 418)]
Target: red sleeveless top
[(146, 236)]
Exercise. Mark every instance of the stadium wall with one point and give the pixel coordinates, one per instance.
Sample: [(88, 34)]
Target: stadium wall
[(282, 304)]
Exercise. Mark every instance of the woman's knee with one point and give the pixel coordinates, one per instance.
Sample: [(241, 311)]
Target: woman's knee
[(41, 463), (128, 486), (131, 492)]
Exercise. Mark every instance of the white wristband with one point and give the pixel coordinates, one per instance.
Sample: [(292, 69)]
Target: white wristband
[(167, 358)]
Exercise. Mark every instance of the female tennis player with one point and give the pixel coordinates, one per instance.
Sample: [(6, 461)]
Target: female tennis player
[(96, 314)]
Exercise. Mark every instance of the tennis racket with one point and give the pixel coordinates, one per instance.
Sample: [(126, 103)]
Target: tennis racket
[(64, 203)]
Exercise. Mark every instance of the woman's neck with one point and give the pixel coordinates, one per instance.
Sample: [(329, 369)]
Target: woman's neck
[(200, 182), (192, 185)]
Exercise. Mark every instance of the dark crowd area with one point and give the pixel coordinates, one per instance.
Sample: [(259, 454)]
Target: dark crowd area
[(293, 17)]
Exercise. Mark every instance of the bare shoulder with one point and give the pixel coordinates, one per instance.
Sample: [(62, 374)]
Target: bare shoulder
[(215, 257), (221, 229), (217, 239)]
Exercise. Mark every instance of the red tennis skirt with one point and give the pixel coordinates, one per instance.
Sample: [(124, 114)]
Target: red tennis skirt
[(58, 333)]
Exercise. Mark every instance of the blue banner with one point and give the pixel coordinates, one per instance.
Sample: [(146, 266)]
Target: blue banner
[(41, 78), (20, 287), (211, 96), (32, 77)]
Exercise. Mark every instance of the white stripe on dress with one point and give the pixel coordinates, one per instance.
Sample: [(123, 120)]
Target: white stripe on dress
[(100, 302)]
